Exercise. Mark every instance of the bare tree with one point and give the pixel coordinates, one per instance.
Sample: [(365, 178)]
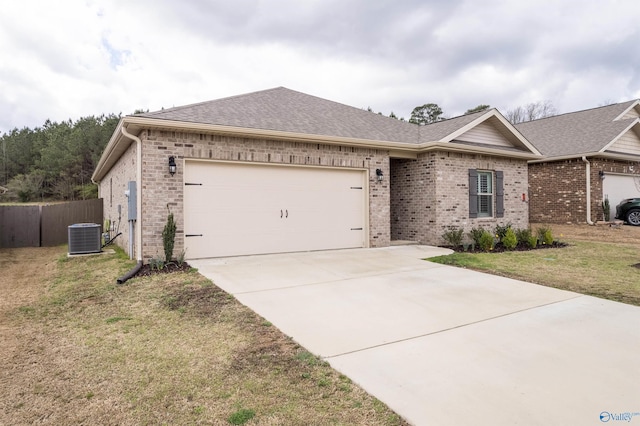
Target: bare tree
[(531, 111)]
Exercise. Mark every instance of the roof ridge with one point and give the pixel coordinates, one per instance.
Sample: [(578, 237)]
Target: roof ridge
[(578, 112), (195, 104)]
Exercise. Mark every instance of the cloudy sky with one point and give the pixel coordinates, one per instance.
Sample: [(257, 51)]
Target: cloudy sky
[(62, 60)]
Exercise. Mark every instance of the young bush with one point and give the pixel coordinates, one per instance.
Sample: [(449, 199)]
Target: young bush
[(169, 237), (475, 234), (156, 264), (501, 231), (509, 241), (523, 235), (486, 241), (532, 241), (454, 237), (606, 209), (545, 236)]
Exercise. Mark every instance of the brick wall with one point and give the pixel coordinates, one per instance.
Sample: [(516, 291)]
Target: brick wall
[(440, 199), (161, 190), (558, 192), (111, 190)]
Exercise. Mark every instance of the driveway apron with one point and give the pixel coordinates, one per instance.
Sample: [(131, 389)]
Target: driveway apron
[(443, 345)]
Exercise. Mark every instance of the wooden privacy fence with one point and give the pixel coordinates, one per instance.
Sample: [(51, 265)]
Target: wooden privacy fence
[(45, 225)]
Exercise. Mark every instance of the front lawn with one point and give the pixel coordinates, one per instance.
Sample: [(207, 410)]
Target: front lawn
[(77, 348), (592, 263)]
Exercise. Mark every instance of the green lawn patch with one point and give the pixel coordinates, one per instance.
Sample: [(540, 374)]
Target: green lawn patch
[(601, 269)]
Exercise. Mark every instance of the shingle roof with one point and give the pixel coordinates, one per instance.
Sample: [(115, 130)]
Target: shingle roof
[(282, 109), (578, 132), (440, 129)]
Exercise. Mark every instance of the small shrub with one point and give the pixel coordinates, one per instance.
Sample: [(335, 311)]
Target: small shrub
[(156, 264), (454, 237), (532, 241), (509, 241), (169, 237), (501, 231), (486, 241), (181, 256), (523, 235), (545, 236), (475, 234), (606, 209)]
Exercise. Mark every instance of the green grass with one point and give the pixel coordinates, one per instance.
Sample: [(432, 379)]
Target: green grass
[(165, 349), (599, 269)]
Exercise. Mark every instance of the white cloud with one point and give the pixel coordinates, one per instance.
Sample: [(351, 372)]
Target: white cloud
[(97, 56)]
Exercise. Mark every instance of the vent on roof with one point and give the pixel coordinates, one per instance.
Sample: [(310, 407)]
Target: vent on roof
[(84, 238)]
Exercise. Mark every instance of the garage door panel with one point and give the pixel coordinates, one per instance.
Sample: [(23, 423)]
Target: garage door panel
[(250, 209)]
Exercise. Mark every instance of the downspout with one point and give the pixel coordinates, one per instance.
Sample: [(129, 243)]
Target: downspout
[(138, 228), (588, 168)]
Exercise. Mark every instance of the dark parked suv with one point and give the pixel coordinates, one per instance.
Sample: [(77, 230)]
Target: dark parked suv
[(629, 211)]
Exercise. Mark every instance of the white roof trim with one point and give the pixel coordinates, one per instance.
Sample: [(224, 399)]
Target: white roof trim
[(614, 140), (484, 117), (611, 155), (632, 106)]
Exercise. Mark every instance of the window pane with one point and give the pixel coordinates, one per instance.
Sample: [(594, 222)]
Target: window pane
[(484, 183)]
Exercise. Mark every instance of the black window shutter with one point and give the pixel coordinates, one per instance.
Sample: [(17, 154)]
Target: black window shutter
[(499, 194), (473, 193)]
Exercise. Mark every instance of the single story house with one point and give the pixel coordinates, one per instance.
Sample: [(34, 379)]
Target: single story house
[(282, 171), (588, 156)]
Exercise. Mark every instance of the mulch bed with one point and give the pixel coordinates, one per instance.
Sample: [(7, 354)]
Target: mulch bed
[(169, 268), (499, 248)]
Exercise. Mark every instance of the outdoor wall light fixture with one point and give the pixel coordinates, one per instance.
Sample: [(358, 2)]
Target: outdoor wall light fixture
[(601, 174), (379, 175), (172, 166)]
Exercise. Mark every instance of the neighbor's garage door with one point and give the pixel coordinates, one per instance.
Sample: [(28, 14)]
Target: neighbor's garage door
[(238, 209), (619, 187)]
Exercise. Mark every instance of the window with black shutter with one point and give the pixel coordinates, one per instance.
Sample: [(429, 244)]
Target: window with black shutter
[(484, 195)]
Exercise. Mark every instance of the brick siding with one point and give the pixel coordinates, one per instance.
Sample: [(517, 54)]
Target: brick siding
[(417, 200), (161, 191), (438, 199), (558, 192), (111, 190)]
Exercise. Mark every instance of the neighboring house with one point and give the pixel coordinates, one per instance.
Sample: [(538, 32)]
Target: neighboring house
[(282, 171), (588, 155)]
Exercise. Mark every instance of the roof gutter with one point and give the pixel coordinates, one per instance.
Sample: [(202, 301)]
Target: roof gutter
[(613, 156), (588, 176), (108, 152), (138, 228)]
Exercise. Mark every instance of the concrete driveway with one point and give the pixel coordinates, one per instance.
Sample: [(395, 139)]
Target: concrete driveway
[(443, 345)]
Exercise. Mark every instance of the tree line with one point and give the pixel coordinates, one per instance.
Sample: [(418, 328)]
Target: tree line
[(54, 161)]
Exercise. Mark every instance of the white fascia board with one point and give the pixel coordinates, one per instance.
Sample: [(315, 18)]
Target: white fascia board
[(493, 112), (99, 173), (614, 140), (609, 155), (632, 106)]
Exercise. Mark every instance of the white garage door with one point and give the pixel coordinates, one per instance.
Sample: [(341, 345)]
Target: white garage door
[(235, 209), (619, 187)]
